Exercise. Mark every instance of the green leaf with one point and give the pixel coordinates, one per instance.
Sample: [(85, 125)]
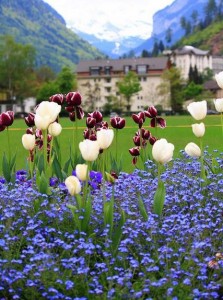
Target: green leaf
[(118, 233), (6, 168), (40, 164), (12, 163), (87, 214), (159, 198), (42, 183), (75, 214), (66, 166), (57, 168), (142, 209)]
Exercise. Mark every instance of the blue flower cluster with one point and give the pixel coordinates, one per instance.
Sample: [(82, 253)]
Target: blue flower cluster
[(43, 256)]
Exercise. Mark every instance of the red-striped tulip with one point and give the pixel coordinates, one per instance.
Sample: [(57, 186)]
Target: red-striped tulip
[(58, 98), (73, 99), (7, 118), (30, 120), (117, 122)]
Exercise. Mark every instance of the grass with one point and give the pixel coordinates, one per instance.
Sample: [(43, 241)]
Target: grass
[(178, 132)]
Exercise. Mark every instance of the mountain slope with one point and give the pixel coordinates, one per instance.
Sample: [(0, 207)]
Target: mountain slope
[(35, 22), (170, 18)]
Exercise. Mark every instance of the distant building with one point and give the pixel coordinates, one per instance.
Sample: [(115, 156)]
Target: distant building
[(189, 56), (217, 64), (97, 81)]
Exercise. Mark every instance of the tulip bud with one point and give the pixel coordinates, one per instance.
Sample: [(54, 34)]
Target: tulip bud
[(198, 129), (82, 171), (117, 122), (162, 151), (219, 104), (193, 150), (134, 151), (73, 185), (73, 99), (90, 122), (72, 116), (54, 129), (89, 150), (151, 112), (28, 141), (97, 115), (219, 79), (46, 113), (198, 110), (58, 98), (139, 118), (105, 138), (79, 113), (7, 118), (29, 120)]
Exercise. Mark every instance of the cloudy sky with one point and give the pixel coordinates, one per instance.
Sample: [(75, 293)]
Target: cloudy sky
[(107, 17)]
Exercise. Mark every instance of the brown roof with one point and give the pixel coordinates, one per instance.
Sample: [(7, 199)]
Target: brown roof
[(154, 63), (211, 85)]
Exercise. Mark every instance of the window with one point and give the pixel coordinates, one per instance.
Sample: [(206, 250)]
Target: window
[(127, 69), (108, 89), (94, 71), (108, 80), (141, 69), (107, 70)]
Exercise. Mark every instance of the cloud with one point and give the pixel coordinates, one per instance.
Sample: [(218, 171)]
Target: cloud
[(110, 19)]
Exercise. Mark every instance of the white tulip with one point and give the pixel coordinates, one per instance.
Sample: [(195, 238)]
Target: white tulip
[(89, 150), (46, 113), (162, 151), (105, 138), (198, 129), (218, 103), (198, 110), (54, 129), (73, 185), (28, 141), (82, 171), (219, 79), (193, 150)]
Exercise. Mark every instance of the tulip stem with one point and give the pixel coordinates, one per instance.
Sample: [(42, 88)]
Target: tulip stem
[(222, 124), (9, 149), (45, 149)]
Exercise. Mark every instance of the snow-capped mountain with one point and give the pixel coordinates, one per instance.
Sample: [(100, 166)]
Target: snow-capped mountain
[(111, 41)]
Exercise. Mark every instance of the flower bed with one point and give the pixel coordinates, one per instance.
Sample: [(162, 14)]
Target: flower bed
[(44, 257)]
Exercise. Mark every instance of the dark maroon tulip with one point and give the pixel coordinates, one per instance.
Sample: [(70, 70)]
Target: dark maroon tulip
[(72, 116), (79, 112), (139, 118), (152, 140), (134, 151), (90, 135), (7, 118), (90, 122), (29, 131), (97, 115), (69, 108), (158, 122), (57, 98), (151, 112), (30, 120), (136, 140), (2, 128), (117, 122), (73, 99)]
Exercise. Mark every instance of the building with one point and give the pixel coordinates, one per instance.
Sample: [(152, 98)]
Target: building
[(189, 56), (97, 81)]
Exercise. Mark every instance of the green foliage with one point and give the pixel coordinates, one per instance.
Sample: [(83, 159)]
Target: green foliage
[(129, 86), (192, 90), (172, 81), (36, 23), (16, 63), (66, 81)]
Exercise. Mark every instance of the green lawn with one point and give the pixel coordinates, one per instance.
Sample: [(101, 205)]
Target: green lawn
[(178, 132)]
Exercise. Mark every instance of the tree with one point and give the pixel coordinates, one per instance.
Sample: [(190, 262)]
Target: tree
[(145, 53), (192, 90), (66, 81), (172, 84), (16, 67), (129, 86), (168, 36)]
